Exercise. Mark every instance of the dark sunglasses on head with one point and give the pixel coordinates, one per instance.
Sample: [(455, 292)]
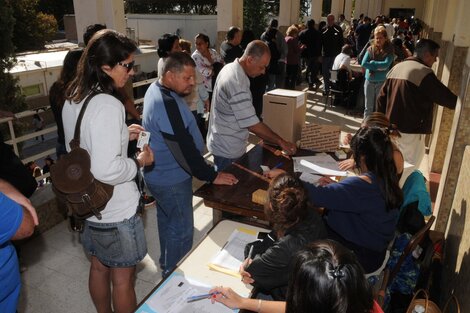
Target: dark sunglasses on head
[(129, 66)]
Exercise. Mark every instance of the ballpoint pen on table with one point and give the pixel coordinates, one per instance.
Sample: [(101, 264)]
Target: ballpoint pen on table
[(201, 297), (278, 165)]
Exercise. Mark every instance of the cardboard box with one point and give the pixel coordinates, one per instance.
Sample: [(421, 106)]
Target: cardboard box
[(320, 138), (284, 112)]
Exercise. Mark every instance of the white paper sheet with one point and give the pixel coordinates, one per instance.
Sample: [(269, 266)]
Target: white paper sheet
[(323, 161), (172, 297), (322, 170), (232, 254)]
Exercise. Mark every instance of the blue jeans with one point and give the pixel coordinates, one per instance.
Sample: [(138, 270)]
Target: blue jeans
[(327, 64), (120, 244), (371, 93), (175, 222), (222, 163)]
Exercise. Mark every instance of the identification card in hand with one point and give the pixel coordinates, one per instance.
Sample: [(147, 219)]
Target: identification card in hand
[(144, 138)]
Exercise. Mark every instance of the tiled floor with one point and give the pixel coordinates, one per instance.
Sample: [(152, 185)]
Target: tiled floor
[(56, 279)]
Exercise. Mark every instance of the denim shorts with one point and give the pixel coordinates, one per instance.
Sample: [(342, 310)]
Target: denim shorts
[(120, 244)]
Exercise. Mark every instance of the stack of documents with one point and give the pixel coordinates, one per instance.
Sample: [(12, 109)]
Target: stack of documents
[(229, 259), (315, 167), (322, 164), (172, 297)]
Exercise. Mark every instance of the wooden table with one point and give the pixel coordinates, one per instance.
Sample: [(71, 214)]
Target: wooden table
[(195, 263), (236, 199)]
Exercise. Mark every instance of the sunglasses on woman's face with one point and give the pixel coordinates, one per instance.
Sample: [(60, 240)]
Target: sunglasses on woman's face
[(129, 66)]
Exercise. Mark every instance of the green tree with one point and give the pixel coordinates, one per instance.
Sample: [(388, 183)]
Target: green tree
[(11, 98), (201, 7), (32, 28), (58, 8), (255, 16)]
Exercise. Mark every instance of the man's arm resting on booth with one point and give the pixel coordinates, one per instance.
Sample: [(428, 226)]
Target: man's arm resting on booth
[(264, 132)]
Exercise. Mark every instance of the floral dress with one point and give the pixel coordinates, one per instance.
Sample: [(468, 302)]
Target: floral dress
[(205, 67)]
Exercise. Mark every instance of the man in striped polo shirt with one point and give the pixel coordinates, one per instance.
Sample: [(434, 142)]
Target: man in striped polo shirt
[(233, 115)]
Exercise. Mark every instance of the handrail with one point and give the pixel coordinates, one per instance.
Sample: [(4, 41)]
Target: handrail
[(15, 141)]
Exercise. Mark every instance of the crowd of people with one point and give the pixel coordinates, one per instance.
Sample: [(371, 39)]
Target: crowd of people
[(298, 265)]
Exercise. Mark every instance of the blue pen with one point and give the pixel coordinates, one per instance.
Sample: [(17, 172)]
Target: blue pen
[(278, 165), (201, 297)]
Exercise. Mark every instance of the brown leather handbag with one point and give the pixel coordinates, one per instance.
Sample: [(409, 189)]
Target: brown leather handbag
[(73, 181)]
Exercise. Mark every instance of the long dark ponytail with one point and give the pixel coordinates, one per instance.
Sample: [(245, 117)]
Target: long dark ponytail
[(372, 145)]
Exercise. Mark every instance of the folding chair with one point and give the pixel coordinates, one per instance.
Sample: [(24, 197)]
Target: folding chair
[(339, 86)]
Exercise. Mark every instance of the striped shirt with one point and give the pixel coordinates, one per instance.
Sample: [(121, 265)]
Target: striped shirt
[(232, 113)]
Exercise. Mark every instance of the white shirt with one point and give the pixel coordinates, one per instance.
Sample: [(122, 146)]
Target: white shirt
[(341, 60), (104, 134)]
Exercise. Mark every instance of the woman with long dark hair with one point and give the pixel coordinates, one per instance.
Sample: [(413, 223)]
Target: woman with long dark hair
[(361, 212), (294, 224), (57, 95), (116, 242), (324, 277)]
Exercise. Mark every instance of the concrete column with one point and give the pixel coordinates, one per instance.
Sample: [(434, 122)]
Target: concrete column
[(336, 8), (379, 8), (357, 8), (229, 13), (371, 10), (437, 21), (109, 12), (457, 73), (348, 10), (316, 10), (289, 11), (364, 7)]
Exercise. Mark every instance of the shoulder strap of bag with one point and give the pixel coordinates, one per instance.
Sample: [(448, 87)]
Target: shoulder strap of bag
[(75, 142)]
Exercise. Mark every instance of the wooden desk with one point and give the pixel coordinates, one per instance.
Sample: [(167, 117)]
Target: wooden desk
[(237, 199), (194, 265)]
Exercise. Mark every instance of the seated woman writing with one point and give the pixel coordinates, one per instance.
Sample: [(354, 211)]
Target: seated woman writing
[(326, 277), (361, 212), (377, 119), (294, 226)]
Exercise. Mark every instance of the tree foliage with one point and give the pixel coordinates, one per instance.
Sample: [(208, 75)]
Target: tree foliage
[(58, 8), (32, 28), (10, 93), (201, 7), (255, 16)]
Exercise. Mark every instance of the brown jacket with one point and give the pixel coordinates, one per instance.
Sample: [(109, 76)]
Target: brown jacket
[(408, 95)]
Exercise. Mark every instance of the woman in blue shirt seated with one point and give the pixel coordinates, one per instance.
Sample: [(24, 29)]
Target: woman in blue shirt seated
[(361, 212)]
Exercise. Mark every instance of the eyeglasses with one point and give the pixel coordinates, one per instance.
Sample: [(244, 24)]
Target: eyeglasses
[(129, 66)]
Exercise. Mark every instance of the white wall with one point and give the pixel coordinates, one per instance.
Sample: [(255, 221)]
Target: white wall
[(152, 26)]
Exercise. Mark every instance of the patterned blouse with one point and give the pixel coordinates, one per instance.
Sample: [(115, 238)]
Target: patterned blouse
[(205, 67)]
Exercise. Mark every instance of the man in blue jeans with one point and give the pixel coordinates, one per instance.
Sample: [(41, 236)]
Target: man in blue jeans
[(332, 42), (178, 144)]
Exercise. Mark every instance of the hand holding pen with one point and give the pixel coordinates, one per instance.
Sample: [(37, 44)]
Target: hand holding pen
[(246, 277), (209, 295)]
